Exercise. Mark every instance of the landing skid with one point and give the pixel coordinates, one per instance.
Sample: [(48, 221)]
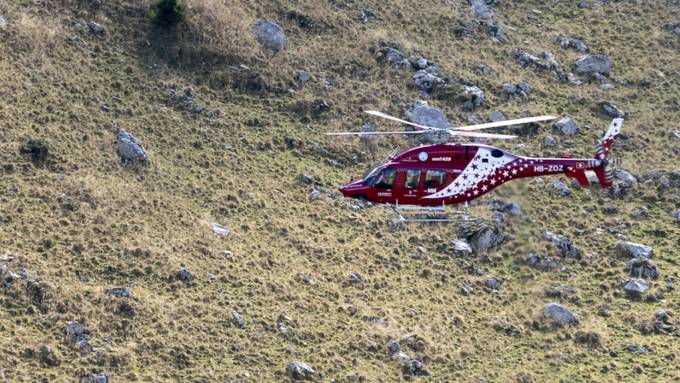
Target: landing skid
[(413, 213)]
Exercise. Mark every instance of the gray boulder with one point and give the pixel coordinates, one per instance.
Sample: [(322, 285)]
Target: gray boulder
[(541, 262), (567, 126), (635, 286), (589, 65), (473, 98), (574, 43), (636, 349), (423, 114), (299, 371), (527, 60), (624, 176), (426, 81), (676, 215), (559, 314), (120, 292), (481, 10), (562, 188), (612, 110), (642, 268), (493, 283), (130, 149), (270, 35), (633, 250), (486, 238), (564, 246), (95, 28), (497, 116), (184, 275), (549, 141), (461, 246), (520, 90)]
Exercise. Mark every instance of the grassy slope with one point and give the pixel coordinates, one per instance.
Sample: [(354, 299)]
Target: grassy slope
[(55, 89)]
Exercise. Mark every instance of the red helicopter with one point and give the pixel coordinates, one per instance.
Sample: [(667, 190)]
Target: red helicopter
[(424, 179)]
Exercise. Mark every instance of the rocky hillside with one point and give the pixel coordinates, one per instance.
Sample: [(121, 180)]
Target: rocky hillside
[(169, 212)]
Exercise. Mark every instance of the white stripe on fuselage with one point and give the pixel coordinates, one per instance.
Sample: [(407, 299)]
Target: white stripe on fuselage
[(475, 172)]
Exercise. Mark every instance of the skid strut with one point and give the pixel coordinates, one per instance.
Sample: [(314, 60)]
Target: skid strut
[(413, 213)]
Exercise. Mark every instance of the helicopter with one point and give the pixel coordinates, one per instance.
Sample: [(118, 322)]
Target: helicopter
[(424, 180)]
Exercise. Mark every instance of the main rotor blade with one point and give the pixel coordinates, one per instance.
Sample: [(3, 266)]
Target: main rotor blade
[(375, 133), (504, 123), (480, 135), (387, 116)]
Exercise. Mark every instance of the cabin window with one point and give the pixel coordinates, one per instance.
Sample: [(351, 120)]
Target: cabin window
[(435, 178), (386, 179), (412, 178), (496, 153)]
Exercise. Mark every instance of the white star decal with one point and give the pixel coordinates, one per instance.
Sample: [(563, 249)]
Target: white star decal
[(514, 171), (505, 173), (493, 181), (484, 188)]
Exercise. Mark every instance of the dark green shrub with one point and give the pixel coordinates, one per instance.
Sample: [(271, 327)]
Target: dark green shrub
[(36, 149), (168, 13)]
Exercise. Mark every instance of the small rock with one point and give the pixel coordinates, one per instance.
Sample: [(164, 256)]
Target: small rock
[(220, 230), (426, 81), (236, 317), (567, 126), (299, 371), (612, 110), (95, 28), (302, 77), (563, 245), (481, 10), (184, 275), (314, 195), (589, 65), (562, 188), (3, 22), (497, 116), (642, 268), (582, 4), (542, 262), (492, 283), (356, 277), (635, 286), (577, 44), (130, 149), (466, 289), (393, 347), (48, 357), (486, 238), (120, 292), (97, 378), (367, 15), (636, 349), (549, 141), (633, 250), (473, 98), (559, 313), (485, 69), (461, 246), (676, 215), (270, 35)]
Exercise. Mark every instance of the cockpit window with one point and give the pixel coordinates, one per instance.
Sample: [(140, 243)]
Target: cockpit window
[(496, 153), (370, 175), (386, 179)]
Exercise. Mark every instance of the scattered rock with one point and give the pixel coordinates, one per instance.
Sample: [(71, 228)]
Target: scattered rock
[(612, 110), (507, 327), (96, 378), (567, 126), (466, 289), (130, 149), (590, 65), (549, 141), (423, 114), (48, 357), (185, 275), (574, 43), (270, 35), (642, 268), (481, 10), (367, 15), (461, 246), (633, 250), (355, 277), (120, 292), (497, 116), (541, 262), (302, 77), (472, 98), (220, 230), (676, 215), (76, 333), (527, 60), (636, 349), (562, 188), (95, 28), (236, 318), (299, 371), (624, 176), (659, 324), (521, 90), (559, 314), (493, 283), (485, 69), (635, 286), (314, 195), (564, 246), (486, 238)]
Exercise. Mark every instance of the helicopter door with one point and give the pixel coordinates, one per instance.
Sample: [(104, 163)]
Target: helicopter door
[(384, 185), (435, 180), (410, 187)]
